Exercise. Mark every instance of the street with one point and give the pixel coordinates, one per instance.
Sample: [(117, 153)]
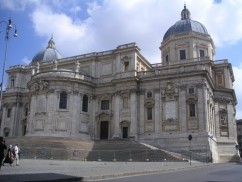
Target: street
[(213, 173)]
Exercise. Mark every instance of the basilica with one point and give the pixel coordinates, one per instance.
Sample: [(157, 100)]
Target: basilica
[(119, 94)]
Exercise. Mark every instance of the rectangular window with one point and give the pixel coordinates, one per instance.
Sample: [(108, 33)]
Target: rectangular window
[(182, 54), (192, 110), (149, 113), (201, 54), (8, 113), (220, 79), (105, 105), (191, 90), (149, 95)]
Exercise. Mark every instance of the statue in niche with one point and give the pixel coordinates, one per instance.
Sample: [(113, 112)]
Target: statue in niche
[(77, 67), (33, 71), (37, 67), (55, 63), (36, 86)]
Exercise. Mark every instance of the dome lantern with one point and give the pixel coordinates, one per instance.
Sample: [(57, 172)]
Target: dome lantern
[(47, 55), (185, 14)]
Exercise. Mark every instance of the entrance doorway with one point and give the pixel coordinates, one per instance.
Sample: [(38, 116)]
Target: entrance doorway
[(125, 132), (104, 130)]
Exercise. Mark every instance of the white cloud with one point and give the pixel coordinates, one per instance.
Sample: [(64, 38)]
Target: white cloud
[(75, 9), (16, 5), (116, 22)]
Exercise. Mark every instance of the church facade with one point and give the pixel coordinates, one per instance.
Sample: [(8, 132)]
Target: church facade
[(119, 94)]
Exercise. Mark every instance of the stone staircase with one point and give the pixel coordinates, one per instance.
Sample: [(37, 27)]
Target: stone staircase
[(89, 150)]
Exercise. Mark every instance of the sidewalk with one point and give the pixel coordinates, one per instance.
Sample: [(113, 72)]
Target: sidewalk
[(58, 170)]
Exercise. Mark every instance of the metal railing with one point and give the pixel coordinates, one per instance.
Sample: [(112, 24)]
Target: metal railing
[(135, 155)]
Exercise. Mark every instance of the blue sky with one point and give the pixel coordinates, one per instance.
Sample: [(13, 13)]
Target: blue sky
[(84, 26)]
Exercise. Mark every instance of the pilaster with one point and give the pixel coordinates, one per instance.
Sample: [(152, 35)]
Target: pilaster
[(157, 110), (133, 109), (117, 115)]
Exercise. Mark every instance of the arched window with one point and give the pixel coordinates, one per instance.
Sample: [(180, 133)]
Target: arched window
[(85, 103), (12, 82), (63, 100)]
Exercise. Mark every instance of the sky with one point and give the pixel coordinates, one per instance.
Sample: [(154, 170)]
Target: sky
[(85, 26)]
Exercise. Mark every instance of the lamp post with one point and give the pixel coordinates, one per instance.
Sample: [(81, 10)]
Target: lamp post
[(8, 29)]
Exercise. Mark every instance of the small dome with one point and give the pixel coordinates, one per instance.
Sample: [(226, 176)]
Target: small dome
[(185, 25), (49, 54)]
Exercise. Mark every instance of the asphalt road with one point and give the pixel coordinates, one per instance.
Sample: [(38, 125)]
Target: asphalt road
[(213, 173)]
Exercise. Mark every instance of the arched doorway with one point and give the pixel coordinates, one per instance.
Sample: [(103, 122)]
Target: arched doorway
[(125, 132), (124, 125), (104, 127)]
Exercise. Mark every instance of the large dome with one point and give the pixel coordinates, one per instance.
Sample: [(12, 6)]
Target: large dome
[(49, 54), (185, 25)]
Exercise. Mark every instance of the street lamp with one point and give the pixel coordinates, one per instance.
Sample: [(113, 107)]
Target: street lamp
[(8, 29)]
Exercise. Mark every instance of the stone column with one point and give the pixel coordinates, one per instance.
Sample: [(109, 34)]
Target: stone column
[(216, 118), (183, 108), (231, 121), (75, 104), (51, 109), (201, 102), (133, 112), (142, 111), (16, 119), (13, 121), (117, 116), (157, 111), (3, 121), (93, 124), (29, 128)]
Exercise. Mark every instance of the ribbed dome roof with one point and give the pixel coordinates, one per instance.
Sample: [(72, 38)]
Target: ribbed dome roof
[(185, 25), (49, 54)]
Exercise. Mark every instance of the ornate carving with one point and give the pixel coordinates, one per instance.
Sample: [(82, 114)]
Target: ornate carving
[(125, 93), (75, 92), (157, 90), (222, 100), (201, 85), (183, 87), (133, 90), (126, 58), (118, 93), (149, 103), (41, 85), (93, 97), (170, 92), (51, 90)]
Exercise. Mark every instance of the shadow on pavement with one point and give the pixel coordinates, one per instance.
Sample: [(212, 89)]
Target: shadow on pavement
[(38, 177)]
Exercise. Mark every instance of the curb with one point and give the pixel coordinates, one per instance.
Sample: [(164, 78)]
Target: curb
[(120, 175)]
